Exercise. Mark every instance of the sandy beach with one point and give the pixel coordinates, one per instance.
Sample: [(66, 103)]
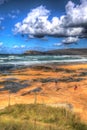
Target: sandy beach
[(55, 84)]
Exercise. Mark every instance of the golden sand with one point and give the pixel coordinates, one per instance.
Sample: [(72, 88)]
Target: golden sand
[(52, 93)]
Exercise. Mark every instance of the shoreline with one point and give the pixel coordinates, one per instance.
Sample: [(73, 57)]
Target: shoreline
[(7, 67)]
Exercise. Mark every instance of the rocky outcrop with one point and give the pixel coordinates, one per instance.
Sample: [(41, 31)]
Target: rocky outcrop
[(81, 51), (32, 52)]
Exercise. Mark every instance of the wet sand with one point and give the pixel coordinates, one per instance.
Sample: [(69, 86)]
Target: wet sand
[(51, 84)]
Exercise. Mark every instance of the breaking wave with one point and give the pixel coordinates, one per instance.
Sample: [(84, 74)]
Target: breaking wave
[(40, 59)]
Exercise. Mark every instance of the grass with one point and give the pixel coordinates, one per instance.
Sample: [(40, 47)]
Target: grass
[(39, 117)]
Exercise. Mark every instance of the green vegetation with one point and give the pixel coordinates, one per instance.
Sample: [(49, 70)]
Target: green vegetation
[(39, 117)]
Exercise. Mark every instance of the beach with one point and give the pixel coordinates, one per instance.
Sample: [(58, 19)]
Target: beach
[(57, 85)]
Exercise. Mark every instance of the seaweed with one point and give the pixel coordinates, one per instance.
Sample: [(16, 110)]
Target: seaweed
[(13, 86)]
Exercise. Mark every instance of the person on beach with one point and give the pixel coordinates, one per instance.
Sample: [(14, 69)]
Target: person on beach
[(75, 87)]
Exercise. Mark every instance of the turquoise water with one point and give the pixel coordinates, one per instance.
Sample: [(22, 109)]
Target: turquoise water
[(40, 59)]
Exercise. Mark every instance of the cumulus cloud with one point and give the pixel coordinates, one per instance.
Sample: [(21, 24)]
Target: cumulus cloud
[(76, 15), (70, 40), (35, 23), (73, 24)]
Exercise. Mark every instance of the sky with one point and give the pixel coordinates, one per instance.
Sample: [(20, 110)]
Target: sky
[(42, 25)]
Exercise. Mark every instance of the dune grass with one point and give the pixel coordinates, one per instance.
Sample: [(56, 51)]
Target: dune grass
[(39, 117)]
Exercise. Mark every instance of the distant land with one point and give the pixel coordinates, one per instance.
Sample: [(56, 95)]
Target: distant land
[(81, 51)]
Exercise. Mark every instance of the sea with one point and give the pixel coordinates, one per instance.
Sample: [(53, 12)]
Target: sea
[(26, 60)]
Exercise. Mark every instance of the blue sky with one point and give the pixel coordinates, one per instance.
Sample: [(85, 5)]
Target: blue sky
[(12, 12)]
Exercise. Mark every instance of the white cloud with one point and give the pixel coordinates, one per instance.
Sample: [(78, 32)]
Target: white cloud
[(67, 41), (70, 40), (22, 46), (58, 44), (76, 15), (19, 47), (1, 43), (15, 46), (37, 23)]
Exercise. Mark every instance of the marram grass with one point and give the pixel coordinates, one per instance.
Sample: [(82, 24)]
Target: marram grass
[(39, 117)]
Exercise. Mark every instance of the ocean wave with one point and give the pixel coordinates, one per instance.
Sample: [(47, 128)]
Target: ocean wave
[(31, 60), (1, 60), (42, 62)]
